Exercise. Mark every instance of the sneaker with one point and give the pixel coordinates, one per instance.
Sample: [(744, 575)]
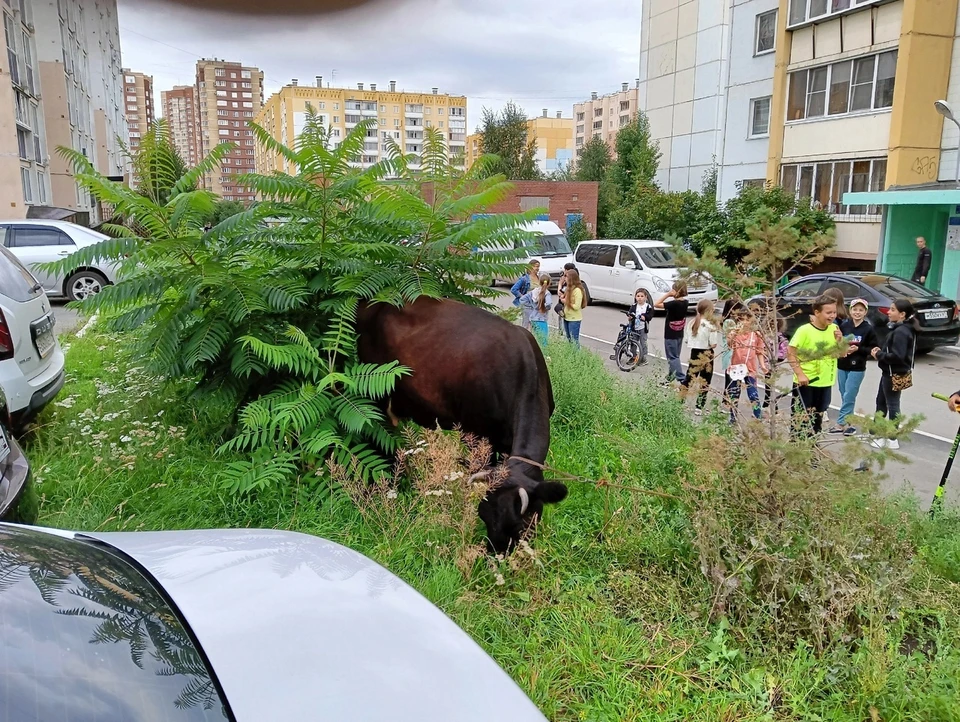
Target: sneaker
[(893, 444), (850, 431), (879, 443), (837, 430)]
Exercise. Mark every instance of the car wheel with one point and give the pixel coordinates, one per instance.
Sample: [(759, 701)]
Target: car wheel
[(84, 284)]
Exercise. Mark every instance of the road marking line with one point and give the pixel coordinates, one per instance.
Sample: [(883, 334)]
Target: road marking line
[(835, 408)]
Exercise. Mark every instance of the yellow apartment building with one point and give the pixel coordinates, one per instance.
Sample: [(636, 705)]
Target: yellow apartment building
[(402, 117), (554, 142)]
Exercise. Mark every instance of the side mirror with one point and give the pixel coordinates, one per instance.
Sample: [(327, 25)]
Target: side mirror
[(631, 265)]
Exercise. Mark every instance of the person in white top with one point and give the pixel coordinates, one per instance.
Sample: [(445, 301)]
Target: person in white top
[(702, 336)]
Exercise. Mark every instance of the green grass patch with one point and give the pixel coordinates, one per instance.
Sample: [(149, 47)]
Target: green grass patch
[(610, 616)]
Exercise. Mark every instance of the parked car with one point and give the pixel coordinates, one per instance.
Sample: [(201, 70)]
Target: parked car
[(36, 242), (31, 362), (550, 247), (938, 315), (231, 624), (14, 473), (614, 270)]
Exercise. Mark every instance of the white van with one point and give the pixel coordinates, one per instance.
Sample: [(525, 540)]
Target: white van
[(613, 270), (551, 249)]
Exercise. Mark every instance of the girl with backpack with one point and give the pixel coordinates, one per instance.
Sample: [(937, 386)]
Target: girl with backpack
[(702, 337), (537, 303), (527, 282), (895, 359)]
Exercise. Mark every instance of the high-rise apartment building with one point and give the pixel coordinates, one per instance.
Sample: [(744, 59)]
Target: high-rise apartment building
[(229, 95), (24, 163), (401, 117), (78, 54), (603, 115), (832, 99), (554, 142), (138, 105), (180, 111), (69, 50)]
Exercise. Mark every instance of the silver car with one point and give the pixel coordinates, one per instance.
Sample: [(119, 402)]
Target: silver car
[(38, 241), (234, 624)]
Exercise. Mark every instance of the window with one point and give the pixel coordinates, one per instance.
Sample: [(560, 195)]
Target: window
[(849, 86), (40, 236), (598, 124), (579, 116), (766, 33), (628, 254), (27, 186), (41, 188), (802, 11), (825, 183), (598, 112), (23, 143), (439, 123), (759, 117), (807, 288), (220, 72)]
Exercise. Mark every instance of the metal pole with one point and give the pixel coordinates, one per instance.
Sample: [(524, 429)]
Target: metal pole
[(957, 178)]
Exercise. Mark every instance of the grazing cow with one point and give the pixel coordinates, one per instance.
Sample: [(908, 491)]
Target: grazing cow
[(472, 369)]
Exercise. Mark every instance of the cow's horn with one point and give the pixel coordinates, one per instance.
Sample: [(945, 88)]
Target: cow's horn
[(524, 500)]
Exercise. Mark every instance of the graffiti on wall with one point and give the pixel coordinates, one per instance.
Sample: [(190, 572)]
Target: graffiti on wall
[(925, 165)]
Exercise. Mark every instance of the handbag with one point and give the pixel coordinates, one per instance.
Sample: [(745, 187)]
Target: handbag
[(901, 382), (737, 372)]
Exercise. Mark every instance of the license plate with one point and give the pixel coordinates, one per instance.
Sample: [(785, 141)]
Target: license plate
[(934, 315), (4, 446), (45, 343)]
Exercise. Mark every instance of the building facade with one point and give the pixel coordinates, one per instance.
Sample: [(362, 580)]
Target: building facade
[(684, 55), (603, 115), (229, 96), (180, 111), (78, 57), (24, 162), (555, 150), (138, 105), (401, 118)]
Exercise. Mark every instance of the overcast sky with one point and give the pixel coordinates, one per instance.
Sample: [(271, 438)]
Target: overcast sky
[(538, 53)]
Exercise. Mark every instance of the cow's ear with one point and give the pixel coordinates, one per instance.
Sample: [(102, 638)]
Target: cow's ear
[(551, 492)]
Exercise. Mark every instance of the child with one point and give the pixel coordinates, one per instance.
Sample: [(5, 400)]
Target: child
[(702, 338), (747, 361), (852, 367), (731, 311), (675, 304), (642, 312), (537, 302), (527, 282), (812, 354)]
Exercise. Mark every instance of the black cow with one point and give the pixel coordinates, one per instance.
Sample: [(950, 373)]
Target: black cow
[(472, 369)]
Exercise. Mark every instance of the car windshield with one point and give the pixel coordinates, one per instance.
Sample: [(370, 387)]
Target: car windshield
[(16, 282), (657, 257), (552, 245), (895, 287), (84, 636)]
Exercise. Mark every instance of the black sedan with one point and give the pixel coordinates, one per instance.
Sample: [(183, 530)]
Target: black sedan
[(938, 315), (17, 499)]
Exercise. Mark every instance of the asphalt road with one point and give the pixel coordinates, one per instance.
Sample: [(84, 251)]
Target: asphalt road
[(926, 451), (67, 319)]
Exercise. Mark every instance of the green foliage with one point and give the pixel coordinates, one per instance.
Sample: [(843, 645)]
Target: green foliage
[(505, 136), (578, 232), (224, 210), (594, 160), (727, 231), (156, 164), (638, 156), (609, 616), (262, 316)]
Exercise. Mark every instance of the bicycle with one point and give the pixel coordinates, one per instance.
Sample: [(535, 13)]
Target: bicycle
[(628, 348)]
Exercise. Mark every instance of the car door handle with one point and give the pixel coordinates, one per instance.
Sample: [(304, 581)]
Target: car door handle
[(64, 253)]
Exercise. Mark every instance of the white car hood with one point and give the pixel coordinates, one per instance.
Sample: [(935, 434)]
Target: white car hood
[(299, 628)]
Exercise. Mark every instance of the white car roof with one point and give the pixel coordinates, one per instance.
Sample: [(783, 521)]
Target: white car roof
[(632, 242), (542, 227)]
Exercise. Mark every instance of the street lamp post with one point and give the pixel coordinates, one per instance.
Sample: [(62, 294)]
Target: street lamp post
[(943, 107)]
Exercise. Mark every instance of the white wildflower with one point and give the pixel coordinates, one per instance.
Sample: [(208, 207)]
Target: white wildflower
[(392, 494), (125, 439), (499, 580)]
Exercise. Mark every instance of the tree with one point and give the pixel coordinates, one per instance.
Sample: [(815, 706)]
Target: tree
[(262, 318), (595, 160), (638, 156), (225, 209), (577, 232), (506, 136)]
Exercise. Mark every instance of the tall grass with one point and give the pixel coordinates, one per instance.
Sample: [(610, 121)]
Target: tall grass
[(608, 616)]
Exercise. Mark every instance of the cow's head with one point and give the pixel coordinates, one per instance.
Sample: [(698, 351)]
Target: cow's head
[(510, 509)]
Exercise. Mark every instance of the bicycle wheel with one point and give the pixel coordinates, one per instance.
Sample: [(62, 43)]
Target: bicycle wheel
[(628, 356)]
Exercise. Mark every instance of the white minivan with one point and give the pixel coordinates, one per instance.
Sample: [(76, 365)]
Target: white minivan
[(613, 271), (550, 247)]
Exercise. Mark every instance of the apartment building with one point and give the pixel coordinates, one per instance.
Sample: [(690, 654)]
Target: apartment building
[(229, 96), (603, 115), (401, 117), (24, 163), (78, 56), (180, 111), (554, 142), (138, 105)]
